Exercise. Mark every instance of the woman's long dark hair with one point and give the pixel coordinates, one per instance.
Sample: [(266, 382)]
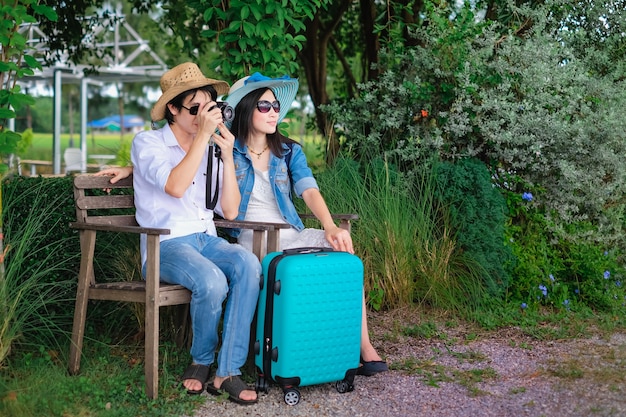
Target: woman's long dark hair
[(242, 123)]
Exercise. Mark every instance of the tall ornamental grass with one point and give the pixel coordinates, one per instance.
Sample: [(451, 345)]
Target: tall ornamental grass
[(403, 237), (33, 292)]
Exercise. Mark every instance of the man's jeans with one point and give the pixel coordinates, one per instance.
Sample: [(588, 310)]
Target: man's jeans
[(213, 269)]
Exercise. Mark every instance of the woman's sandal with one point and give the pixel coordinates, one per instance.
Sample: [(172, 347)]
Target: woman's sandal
[(199, 373), (369, 368), (234, 386)]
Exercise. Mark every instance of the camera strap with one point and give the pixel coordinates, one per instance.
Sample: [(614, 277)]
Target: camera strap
[(211, 197)]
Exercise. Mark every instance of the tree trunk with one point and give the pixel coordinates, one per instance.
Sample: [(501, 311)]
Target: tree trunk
[(314, 60), (372, 43)]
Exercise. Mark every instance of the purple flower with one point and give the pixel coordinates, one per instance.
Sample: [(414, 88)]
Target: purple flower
[(607, 274), (527, 196), (544, 290), (551, 277), (618, 283), (524, 305)]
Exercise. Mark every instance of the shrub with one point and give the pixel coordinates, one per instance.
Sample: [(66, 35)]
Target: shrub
[(42, 263), (477, 214), (560, 273), (408, 250), (531, 108)]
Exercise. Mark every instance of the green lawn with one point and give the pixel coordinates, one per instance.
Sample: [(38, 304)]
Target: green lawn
[(41, 147), (109, 143)]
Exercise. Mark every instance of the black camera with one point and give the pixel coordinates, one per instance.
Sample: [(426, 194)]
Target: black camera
[(228, 113)]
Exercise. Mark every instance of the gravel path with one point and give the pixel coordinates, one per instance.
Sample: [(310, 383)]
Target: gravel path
[(455, 372)]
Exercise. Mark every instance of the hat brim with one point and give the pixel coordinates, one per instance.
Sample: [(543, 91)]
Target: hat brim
[(158, 110), (284, 90)]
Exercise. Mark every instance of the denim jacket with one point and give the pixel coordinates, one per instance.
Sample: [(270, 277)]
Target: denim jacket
[(280, 180)]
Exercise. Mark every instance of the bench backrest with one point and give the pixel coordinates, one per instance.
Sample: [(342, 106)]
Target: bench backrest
[(100, 202)]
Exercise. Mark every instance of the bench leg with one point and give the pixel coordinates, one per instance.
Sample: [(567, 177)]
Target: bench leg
[(152, 318), (273, 240), (85, 277)]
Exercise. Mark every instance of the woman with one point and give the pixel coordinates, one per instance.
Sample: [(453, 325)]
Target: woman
[(269, 167)]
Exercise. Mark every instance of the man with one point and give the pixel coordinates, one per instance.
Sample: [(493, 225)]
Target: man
[(172, 167)]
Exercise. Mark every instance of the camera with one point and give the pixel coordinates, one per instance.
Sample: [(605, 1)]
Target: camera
[(228, 113)]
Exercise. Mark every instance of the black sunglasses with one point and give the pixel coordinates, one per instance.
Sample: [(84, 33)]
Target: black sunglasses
[(264, 106), (193, 110)]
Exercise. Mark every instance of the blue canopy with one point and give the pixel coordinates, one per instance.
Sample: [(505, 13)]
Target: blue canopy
[(113, 122)]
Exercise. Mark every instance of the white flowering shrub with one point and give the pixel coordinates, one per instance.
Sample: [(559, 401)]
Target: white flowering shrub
[(542, 111), (531, 109), (551, 124)]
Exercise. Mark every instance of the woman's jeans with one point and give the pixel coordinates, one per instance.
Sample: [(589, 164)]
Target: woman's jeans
[(213, 270)]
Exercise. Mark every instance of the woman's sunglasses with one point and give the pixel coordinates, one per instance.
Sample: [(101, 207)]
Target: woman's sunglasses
[(264, 106)]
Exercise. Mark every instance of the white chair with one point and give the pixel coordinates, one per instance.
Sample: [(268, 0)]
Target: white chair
[(73, 159)]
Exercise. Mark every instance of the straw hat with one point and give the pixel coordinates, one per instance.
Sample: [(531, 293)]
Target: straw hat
[(284, 88), (181, 78)]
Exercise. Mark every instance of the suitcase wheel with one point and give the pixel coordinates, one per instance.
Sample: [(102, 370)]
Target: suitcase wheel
[(292, 396), (344, 386)]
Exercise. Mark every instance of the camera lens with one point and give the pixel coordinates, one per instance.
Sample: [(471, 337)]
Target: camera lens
[(228, 113)]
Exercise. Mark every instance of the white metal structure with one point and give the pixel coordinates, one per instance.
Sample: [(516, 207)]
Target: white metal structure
[(127, 57)]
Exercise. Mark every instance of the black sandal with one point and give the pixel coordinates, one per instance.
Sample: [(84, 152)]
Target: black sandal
[(234, 386), (199, 373)]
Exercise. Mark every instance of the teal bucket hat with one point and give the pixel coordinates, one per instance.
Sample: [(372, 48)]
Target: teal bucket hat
[(284, 88)]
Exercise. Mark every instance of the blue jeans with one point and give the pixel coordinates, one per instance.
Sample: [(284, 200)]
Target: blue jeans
[(213, 270)]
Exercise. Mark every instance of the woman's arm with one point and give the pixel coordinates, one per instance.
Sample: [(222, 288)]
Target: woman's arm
[(338, 238)]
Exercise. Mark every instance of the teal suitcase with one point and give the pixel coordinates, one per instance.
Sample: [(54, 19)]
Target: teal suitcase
[(308, 328)]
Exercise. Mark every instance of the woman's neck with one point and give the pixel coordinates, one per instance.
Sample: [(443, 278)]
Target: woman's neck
[(257, 142)]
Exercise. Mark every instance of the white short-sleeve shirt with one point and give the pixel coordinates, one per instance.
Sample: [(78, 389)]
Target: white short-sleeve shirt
[(154, 154)]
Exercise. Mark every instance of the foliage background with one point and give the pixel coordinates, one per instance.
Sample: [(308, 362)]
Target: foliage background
[(481, 145)]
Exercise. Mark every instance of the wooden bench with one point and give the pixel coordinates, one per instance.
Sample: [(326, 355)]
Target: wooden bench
[(91, 202), (113, 211)]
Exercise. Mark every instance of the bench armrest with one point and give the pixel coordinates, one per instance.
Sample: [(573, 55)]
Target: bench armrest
[(119, 228), (345, 219), (241, 224)]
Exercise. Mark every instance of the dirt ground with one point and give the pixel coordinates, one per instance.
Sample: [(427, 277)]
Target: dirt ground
[(449, 370)]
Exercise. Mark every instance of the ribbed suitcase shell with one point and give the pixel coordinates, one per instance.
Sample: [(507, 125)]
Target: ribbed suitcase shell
[(315, 313)]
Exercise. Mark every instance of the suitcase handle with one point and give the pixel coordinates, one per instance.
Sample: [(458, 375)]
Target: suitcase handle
[(307, 250)]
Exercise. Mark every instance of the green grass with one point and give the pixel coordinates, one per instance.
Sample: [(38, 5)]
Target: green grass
[(42, 146), (109, 143), (110, 383), (402, 236)]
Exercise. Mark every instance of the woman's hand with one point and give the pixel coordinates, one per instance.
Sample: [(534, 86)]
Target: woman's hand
[(339, 239)]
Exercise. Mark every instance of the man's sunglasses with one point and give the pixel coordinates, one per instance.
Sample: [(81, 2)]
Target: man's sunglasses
[(264, 106), (193, 110)]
